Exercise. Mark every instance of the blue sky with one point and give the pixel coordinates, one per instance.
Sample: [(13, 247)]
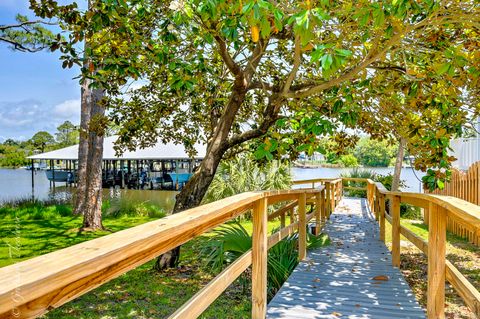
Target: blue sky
[(35, 92)]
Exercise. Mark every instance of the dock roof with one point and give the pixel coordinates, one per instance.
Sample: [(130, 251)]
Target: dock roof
[(159, 151)]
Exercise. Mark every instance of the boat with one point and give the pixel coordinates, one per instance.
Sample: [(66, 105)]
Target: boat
[(60, 176)]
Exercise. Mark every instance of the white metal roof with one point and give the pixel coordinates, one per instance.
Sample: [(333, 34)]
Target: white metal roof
[(159, 151)]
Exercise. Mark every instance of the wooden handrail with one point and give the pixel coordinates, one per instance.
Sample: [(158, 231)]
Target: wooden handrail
[(439, 208), (50, 280)]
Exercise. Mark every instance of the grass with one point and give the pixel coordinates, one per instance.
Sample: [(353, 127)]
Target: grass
[(462, 254)]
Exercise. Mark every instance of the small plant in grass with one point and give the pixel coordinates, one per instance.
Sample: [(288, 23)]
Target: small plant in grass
[(123, 207), (226, 243)]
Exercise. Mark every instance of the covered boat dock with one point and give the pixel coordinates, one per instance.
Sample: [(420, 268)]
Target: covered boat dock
[(161, 166)]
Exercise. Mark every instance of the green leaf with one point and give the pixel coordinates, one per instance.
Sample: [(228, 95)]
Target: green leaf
[(443, 68)]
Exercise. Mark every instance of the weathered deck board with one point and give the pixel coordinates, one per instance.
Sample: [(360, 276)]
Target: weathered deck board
[(337, 281)]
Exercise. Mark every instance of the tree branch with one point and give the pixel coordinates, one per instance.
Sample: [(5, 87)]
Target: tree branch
[(270, 115), (22, 24), (297, 59), (227, 58), (19, 46), (372, 56)]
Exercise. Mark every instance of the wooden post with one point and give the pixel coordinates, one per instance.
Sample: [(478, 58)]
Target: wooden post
[(436, 262), (381, 214), (292, 216), (318, 209), (426, 216), (259, 259), (302, 226), (282, 220), (322, 206), (396, 231), (332, 198), (328, 201)]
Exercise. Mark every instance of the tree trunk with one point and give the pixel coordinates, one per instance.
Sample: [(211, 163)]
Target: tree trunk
[(398, 165), (193, 192), (88, 199)]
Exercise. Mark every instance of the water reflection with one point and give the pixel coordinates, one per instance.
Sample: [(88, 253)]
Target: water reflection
[(16, 184)]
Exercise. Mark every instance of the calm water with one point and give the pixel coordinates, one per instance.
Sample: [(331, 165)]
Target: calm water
[(412, 183), (16, 183)]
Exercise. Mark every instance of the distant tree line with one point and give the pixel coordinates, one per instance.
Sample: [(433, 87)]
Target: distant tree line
[(366, 152), (14, 153)]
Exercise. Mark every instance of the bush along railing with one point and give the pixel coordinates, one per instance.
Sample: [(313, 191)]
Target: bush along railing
[(31, 288), (438, 210)]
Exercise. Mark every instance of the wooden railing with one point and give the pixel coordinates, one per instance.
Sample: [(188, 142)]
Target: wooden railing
[(30, 288), (464, 185), (440, 209)]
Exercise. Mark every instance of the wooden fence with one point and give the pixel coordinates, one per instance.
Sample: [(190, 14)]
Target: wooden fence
[(464, 185)]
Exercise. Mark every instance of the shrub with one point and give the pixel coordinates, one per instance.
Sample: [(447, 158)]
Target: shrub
[(125, 207), (244, 175), (357, 173), (349, 160), (229, 242)]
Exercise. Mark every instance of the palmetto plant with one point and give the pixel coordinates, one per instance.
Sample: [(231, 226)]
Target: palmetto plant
[(229, 242), (244, 174)]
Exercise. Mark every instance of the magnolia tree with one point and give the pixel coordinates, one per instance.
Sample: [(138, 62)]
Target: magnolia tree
[(278, 75)]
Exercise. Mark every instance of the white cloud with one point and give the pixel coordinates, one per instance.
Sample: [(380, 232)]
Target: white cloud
[(68, 110)]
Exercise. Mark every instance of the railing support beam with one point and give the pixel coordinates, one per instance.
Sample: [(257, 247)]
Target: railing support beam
[(328, 200), (259, 259), (382, 216), (436, 262), (302, 227), (318, 213), (396, 231)]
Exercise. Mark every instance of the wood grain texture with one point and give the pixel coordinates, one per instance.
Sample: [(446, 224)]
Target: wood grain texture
[(436, 262), (396, 231), (259, 260), (302, 227)]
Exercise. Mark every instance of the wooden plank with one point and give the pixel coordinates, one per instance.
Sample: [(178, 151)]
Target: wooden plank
[(259, 259), (281, 234), (414, 239), (302, 227), (465, 289), (327, 199), (382, 217), (323, 206), (396, 231), (282, 210), (196, 305), (318, 209), (355, 188), (436, 262), (313, 180)]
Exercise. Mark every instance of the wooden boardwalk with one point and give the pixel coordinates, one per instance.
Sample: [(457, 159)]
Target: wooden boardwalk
[(339, 281)]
